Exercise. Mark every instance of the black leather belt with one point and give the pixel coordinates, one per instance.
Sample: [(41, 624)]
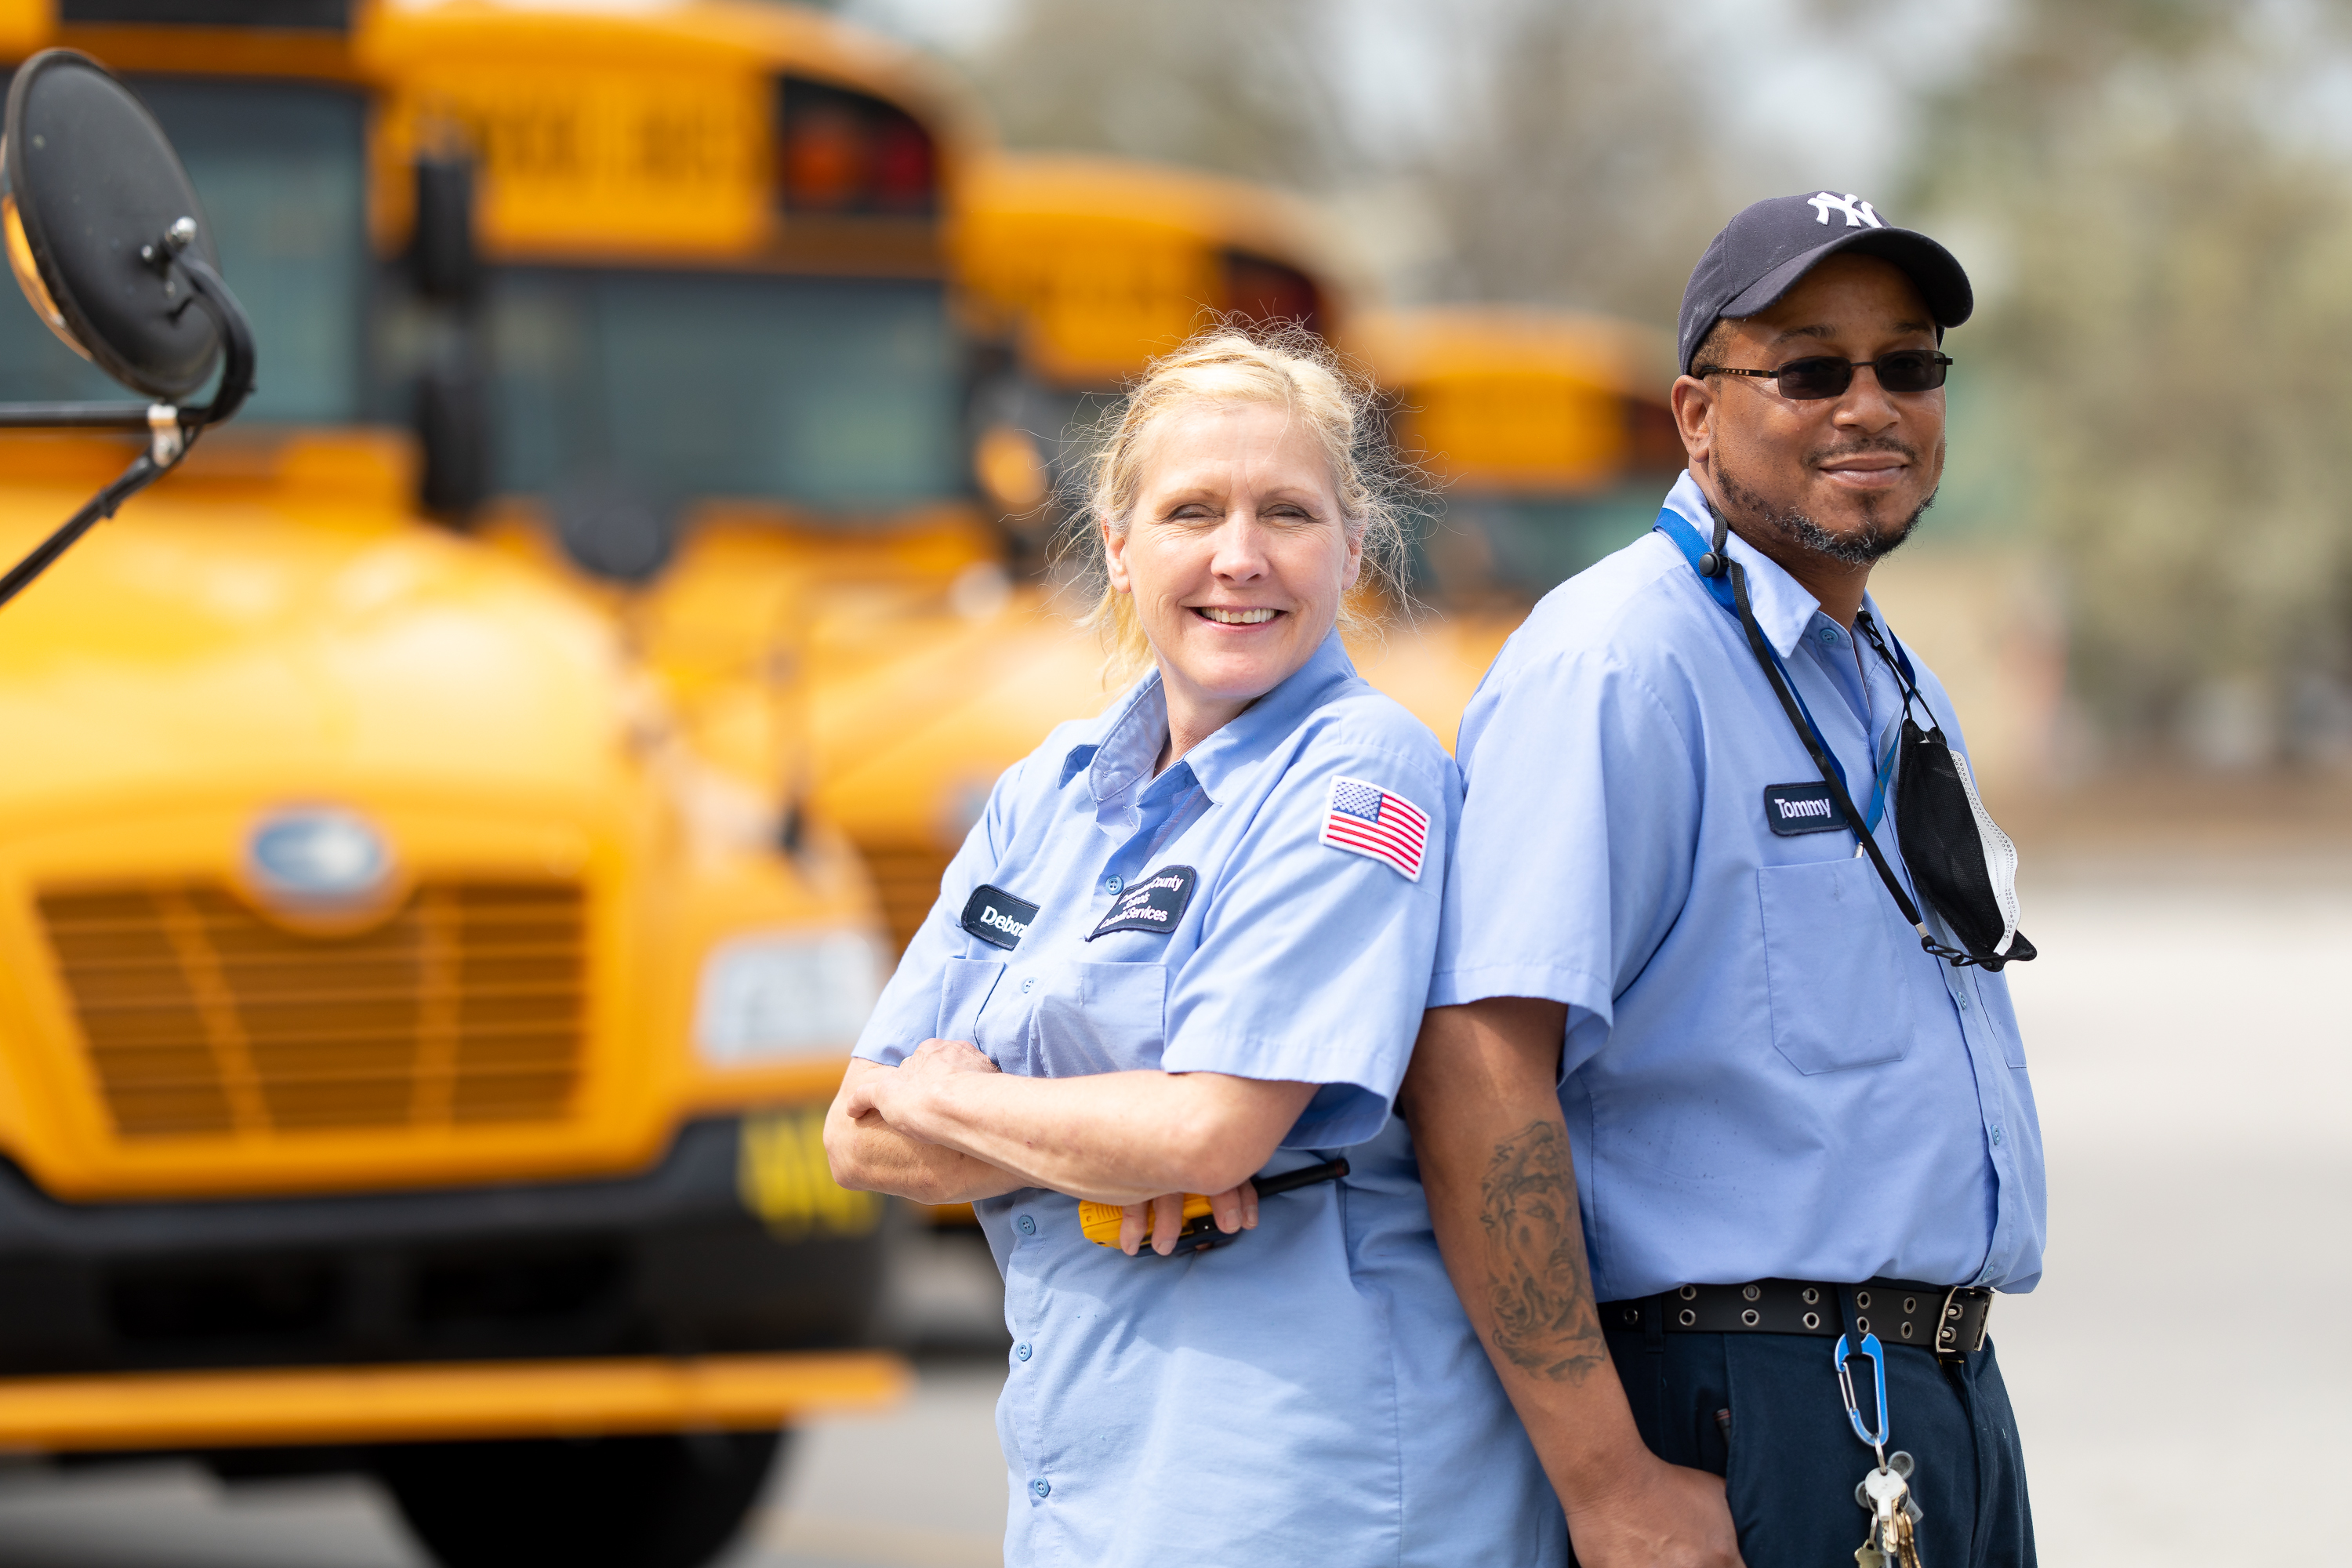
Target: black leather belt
[(1949, 1319)]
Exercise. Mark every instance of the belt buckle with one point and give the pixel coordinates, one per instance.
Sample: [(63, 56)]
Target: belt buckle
[(1948, 1323)]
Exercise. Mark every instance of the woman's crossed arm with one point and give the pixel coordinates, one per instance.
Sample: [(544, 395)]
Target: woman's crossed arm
[(945, 1126)]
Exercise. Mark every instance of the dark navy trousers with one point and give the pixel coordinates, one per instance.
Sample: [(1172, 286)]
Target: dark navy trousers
[(1790, 1460)]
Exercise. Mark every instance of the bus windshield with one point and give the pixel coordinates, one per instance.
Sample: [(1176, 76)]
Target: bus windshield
[(828, 394), (282, 170)]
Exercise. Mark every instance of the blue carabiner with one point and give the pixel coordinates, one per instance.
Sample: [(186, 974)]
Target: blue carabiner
[(1877, 1354)]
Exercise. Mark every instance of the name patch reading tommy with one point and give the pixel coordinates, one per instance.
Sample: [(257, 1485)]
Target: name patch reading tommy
[(1154, 904), (996, 916), (1794, 808)]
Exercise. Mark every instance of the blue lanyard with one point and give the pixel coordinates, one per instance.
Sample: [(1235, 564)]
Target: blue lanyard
[(1674, 526)]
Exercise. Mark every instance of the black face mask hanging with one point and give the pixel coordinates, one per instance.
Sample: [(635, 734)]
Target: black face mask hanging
[(1962, 863), (1959, 859)]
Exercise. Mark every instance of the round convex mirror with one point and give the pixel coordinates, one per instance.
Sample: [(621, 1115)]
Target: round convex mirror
[(93, 195)]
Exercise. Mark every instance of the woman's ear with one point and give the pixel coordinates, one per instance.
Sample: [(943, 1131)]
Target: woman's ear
[(1115, 557), (1353, 567)]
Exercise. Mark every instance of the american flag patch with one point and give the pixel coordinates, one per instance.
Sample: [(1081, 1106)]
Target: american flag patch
[(1371, 821)]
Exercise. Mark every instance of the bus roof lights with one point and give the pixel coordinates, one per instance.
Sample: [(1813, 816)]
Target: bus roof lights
[(851, 153)]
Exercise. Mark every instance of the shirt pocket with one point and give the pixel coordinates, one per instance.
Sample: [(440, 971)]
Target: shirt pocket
[(965, 986), (1831, 969), (1101, 1017)]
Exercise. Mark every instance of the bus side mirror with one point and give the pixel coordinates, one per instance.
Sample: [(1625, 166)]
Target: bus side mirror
[(112, 249), (448, 267), (108, 240)]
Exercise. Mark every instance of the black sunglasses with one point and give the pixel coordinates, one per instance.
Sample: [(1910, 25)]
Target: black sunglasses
[(1912, 370)]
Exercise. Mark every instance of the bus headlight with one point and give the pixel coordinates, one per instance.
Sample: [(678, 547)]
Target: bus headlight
[(773, 997)]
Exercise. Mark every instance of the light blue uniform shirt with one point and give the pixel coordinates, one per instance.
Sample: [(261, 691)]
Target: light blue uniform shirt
[(1763, 1075), (1311, 1391)]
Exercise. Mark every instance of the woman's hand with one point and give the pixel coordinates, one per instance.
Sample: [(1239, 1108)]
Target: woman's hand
[(1234, 1209), (895, 1098), (867, 1153)]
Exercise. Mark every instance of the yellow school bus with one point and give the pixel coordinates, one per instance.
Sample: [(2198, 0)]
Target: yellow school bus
[(412, 1046), (728, 391), (1546, 432)]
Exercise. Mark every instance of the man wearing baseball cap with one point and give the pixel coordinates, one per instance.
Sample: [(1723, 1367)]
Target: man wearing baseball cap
[(1720, 1103)]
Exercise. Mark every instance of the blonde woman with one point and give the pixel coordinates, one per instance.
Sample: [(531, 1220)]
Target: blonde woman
[(1187, 946)]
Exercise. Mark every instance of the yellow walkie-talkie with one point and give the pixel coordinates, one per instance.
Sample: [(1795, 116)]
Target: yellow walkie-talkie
[(1200, 1232)]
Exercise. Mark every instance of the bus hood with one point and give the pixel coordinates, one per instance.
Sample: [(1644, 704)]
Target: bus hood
[(205, 645)]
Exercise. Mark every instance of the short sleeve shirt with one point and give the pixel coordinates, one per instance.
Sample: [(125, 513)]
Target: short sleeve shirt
[(1265, 907), (1763, 1075)]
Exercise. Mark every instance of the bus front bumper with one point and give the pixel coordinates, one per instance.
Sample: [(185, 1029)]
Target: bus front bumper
[(303, 1406), (725, 1252)]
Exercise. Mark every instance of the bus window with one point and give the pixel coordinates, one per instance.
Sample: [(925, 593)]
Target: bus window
[(835, 394), (281, 168)]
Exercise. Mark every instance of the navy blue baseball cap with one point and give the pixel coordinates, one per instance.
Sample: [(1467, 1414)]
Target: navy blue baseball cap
[(1760, 254)]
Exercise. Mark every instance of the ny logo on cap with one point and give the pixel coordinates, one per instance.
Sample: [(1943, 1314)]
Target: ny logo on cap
[(1858, 213)]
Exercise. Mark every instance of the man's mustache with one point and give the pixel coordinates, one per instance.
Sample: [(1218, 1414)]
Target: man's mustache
[(1903, 449)]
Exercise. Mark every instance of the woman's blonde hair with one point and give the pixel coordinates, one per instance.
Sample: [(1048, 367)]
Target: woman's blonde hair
[(1288, 367)]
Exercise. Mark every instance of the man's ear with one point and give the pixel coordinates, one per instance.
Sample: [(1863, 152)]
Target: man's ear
[(1694, 406)]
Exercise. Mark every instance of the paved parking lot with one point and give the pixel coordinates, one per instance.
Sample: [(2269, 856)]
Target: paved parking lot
[(2193, 1056)]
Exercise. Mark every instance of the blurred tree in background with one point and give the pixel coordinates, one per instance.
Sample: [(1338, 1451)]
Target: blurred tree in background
[(1576, 170), (2174, 236), (1236, 87)]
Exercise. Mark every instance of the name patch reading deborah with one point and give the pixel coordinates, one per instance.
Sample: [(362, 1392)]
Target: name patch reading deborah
[(996, 916), (1794, 808), (1154, 904)]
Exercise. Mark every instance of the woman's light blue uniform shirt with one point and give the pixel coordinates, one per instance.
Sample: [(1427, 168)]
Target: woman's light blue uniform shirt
[(1310, 1392), (1763, 1075)]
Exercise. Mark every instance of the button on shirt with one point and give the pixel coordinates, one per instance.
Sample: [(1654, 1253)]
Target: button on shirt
[(1310, 1391), (1763, 1075)]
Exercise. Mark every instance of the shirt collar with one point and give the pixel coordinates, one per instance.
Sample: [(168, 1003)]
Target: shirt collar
[(1135, 729), (1783, 608), (1132, 742)]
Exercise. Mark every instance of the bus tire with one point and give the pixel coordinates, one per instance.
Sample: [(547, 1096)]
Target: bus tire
[(667, 1502)]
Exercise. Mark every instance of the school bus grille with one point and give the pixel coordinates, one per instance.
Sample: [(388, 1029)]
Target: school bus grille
[(907, 879), (467, 1006)]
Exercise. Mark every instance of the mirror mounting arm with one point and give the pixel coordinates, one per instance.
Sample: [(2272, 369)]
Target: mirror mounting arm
[(144, 470), (170, 430)]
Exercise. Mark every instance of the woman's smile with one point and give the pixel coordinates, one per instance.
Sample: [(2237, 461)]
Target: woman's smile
[(1234, 617)]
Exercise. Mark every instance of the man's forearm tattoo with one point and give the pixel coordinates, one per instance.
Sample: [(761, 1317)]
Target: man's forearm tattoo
[(1537, 1283)]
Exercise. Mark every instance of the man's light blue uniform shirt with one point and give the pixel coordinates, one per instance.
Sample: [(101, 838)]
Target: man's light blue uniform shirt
[(1310, 1392), (1763, 1075)]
